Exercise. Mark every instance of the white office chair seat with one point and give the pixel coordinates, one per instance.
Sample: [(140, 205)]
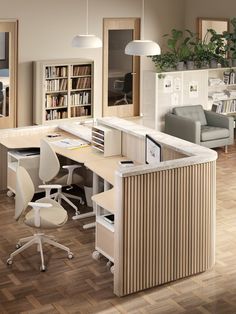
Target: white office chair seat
[(45, 214), (62, 180), (50, 218)]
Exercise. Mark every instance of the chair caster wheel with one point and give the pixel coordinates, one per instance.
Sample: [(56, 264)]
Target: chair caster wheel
[(96, 255), (112, 269), (9, 261), (70, 255), (42, 268), (10, 193), (18, 245)]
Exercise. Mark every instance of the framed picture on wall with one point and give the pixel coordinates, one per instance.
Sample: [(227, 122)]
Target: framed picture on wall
[(2, 46)]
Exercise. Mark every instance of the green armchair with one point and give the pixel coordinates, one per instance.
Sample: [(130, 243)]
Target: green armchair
[(199, 126)]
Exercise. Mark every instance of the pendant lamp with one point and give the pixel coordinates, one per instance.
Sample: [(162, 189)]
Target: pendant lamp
[(142, 47), (87, 40)]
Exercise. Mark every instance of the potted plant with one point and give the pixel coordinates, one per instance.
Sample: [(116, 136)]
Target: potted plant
[(180, 46), (204, 52), (230, 37), (164, 62), (218, 48)]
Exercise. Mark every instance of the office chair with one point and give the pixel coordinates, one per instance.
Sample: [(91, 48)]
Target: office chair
[(127, 87), (49, 169), (44, 214)]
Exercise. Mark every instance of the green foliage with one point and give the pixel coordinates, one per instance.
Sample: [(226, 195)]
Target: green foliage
[(179, 45), (230, 37), (186, 46)]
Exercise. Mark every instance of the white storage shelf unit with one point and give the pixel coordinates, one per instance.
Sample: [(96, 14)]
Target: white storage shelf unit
[(163, 91), (62, 89), (106, 140), (222, 90)]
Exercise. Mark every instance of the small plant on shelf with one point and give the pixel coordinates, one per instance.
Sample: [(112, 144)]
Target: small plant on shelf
[(230, 38)]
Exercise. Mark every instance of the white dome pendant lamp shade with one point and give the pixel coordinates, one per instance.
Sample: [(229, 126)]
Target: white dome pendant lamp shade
[(87, 40), (142, 47)]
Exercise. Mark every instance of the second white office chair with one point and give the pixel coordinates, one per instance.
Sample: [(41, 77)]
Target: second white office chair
[(44, 214), (49, 172)]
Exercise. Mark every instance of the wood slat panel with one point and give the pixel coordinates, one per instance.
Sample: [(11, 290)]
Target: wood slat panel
[(169, 223)]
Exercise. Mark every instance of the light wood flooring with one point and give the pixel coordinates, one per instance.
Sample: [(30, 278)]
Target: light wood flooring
[(83, 285)]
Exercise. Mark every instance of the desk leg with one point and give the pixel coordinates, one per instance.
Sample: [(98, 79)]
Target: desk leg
[(3, 167), (90, 214)]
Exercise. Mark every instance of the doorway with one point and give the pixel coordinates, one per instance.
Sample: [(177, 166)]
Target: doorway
[(8, 73), (121, 72)]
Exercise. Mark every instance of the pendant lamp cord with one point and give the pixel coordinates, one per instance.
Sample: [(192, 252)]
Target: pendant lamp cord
[(87, 17), (142, 21)]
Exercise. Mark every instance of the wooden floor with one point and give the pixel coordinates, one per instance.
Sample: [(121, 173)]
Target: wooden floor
[(83, 285)]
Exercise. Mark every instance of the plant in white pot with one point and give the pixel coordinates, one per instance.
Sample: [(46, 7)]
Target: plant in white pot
[(230, 37), (180, 46)]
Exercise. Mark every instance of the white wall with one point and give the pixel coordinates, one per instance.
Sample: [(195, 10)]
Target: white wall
[(207, 8), (46, 28)]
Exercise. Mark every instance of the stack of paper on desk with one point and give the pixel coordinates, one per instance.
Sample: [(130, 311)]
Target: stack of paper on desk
[(70, 143)]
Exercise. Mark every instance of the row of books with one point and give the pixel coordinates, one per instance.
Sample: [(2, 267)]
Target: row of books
[(224, 106), (82, 98), (81, 83), (81, 70), (80, 111), (56, 71), (56, 101), (229, 77), (55, 114), (56, 85), (223, 95)]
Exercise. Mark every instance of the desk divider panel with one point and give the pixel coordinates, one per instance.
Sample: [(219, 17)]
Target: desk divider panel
[(165, 226)]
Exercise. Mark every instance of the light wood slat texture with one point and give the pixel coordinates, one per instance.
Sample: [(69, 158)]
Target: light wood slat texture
[(168, 226)]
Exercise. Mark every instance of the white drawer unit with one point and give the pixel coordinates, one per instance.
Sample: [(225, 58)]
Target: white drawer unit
[(29, 159), (106, 140)]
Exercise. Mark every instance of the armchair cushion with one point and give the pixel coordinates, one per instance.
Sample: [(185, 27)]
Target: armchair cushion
[(195, 113), (209, 133)]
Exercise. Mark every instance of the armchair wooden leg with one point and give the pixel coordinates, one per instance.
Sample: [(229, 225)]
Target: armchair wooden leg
[(226, 149)]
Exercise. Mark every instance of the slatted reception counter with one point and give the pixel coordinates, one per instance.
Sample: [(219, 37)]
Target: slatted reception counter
[(165, 213)]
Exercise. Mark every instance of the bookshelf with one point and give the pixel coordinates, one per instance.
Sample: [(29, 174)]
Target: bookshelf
[(62, 89), (214, 89), (222, 90)]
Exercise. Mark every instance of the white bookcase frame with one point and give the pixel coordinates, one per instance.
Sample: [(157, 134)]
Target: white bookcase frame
[(77, 102)]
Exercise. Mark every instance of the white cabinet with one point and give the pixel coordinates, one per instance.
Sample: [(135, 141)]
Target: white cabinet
[(163, 91), (104, 239), (30, 161), (62, 89)]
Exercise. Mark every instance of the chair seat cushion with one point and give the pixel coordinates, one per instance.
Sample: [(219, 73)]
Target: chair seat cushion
[(209, 133), (50, 218), (195, 113)]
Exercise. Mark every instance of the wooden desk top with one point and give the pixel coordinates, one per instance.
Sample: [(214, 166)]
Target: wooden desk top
[(105, 167), (91, 158), (106, 200)]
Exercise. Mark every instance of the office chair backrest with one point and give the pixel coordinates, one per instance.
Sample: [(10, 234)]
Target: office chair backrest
[(24, 191), (128, 83), (49, 164)]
